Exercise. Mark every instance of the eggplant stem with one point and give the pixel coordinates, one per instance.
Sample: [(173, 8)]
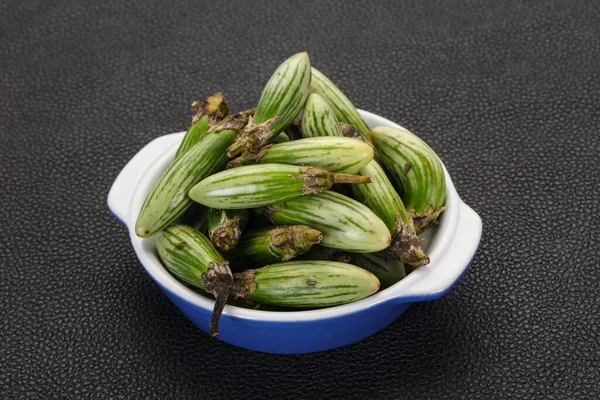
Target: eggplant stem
[(215, 107), (427, 218), (405, 244), (348, 178), (219, 282), (252, 138)]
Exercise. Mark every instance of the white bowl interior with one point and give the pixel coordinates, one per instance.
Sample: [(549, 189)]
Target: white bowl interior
[(436, 240)]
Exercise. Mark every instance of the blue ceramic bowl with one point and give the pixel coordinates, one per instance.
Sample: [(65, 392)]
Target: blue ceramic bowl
[(451, 246)]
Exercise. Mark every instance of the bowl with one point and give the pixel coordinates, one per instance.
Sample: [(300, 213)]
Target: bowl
[(451, 246)]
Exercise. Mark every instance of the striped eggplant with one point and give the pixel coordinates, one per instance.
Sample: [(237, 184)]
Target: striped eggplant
[(302, 284), (285, 93), (342, 107), (260, 185), (190, 256), (225, 227), (346, 224), (186, 253), (335, 154), (318, 119), (381, 197), (207, 114), (282, 99), (416, 170), (169, 199), (273, 244)]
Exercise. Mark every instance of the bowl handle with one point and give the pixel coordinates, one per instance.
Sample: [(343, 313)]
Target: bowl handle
[(121, 191), (433, 281)]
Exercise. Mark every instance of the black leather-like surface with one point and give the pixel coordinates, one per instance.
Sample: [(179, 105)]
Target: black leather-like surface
[(507, 92)]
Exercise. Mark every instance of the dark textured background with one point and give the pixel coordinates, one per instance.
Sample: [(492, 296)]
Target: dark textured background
[(508, 94)]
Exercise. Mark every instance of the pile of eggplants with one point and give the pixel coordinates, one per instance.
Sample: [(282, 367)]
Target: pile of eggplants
[(296, 203)]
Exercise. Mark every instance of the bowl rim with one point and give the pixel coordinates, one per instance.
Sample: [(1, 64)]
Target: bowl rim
[(399, 292)]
